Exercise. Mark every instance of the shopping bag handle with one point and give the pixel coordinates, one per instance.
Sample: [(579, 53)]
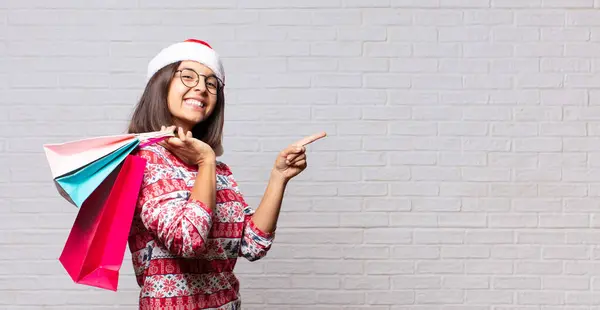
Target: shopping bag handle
[(153, 140)]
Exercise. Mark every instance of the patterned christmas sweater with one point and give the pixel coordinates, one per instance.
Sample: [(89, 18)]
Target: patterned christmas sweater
[(184, 253)]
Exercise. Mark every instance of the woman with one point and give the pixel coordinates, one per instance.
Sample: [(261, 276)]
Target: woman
[(191, 222)]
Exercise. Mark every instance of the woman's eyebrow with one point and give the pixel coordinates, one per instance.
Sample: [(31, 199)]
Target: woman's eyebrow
[(212, 74)]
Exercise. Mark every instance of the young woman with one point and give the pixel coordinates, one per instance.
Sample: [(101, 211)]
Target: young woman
[(191, 222)]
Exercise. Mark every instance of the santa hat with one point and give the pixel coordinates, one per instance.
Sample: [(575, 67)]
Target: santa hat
[(190, 49)]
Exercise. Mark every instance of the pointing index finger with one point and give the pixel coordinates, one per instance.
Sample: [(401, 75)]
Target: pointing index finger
[(310, 139)]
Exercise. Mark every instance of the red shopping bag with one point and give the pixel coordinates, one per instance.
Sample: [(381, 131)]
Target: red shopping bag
[(95, 248)]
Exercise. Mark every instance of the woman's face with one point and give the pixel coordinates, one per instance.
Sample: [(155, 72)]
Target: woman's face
[(192, 94)]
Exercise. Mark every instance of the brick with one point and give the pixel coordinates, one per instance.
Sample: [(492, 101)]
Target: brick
[(541, 237), (539, 50), (516, 129), (487, 113), (409, 65), (513, 221), (490, 205), (488, 267), (464, 159), (363, 65), (435, 204), (436, 50), (440, 267), (285, 17), (362, 97), (465, 252), (413, 128), (463, 66), (386, 16), (340, 49), (413, 158), (566, 283), (540, 18), (563, 129), (366, 252), (517, 283), (424, 236), (366, 3), (364, 220), (487, 50), (381, 49), (336, 298), (436, 113), (415, 252), (416, 282), (413, 220), (515, 65), (514, 189), (412, 33), (367, 283), (340, 80), (389, 268), (537, 298), (487, 144), (489, 17), (462, 34), (488, 82), (465, 282), (311, 33), (386, 204), (566, 252), (489, 237), (583, 18), (414, 189), (516, 34), (568, 4), (387, 236), (462, 220), (439, 297), (415, 3), (383, 80), (539, 81), (564, 221), (489, 296), (390, 298), (313, 282), (566, 65), (463, 189)]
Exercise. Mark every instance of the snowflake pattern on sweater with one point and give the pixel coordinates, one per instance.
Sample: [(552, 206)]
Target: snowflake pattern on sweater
[(183, 253)]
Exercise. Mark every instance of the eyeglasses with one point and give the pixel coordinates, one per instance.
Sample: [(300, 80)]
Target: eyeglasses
[(191, 78)]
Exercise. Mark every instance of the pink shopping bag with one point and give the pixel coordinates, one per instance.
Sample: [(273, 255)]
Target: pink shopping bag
[(95, 248)]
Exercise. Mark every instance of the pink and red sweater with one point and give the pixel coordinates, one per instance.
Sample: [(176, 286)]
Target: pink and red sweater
[(184, 253)]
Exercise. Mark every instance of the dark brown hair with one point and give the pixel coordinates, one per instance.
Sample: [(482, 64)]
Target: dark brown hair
[(152, 111)]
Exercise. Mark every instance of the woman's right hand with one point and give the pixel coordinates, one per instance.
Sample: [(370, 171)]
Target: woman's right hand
[(187, 148)]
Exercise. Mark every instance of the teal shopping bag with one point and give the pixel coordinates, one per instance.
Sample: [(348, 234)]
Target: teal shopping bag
[(80, 184)]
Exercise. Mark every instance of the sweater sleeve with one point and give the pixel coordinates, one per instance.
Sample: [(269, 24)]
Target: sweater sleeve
[(180, 223), (255, 243)]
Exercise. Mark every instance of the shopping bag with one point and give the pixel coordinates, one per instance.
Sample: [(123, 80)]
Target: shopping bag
[(78, 167), (95, 248)]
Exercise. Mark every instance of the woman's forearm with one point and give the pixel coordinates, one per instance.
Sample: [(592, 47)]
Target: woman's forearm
[(267, 213), (204, 189)]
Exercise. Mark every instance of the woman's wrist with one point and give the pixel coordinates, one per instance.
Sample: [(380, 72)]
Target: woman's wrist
[(278, 178)]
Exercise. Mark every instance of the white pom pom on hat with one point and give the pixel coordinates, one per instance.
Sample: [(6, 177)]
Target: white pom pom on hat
[(190, 49)]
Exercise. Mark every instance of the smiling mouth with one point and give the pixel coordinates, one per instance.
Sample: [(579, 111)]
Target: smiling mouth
[(195, 103)]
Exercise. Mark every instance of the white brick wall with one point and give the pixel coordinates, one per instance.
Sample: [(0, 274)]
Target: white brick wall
[(461, 170)]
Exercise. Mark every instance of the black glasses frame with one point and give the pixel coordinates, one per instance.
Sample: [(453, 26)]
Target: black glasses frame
[(219, 82)]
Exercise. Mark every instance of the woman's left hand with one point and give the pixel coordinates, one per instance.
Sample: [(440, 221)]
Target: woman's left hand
[(292, 160)]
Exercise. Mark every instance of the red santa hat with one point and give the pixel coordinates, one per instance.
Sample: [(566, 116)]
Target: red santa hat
[(190, 49)]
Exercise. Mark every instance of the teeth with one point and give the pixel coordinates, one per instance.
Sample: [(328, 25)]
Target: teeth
[(195, 102)]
